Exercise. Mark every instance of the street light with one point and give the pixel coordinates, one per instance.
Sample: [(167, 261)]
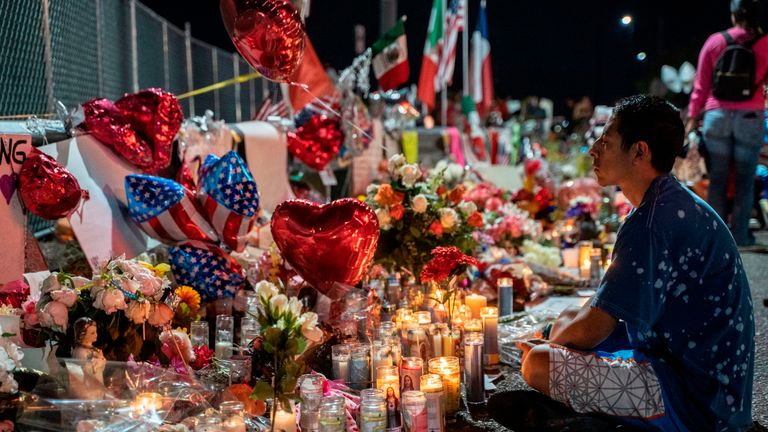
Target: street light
[(626, 20)]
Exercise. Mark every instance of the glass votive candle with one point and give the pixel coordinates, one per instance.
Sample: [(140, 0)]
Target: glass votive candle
[(340, 357), (310, 413), (225, 330), (417, 343), (198, 333), (414, 405), (148, 402), (475, 302), (333, 415), (473, 326), (432, 387), (372, 393), (211, 423), (411, 369), (449, 370), (490, 316), (232, 416), (388, 378), (239, 369), (382, 354), (360, 366), (311, 385), (473, 368), (387, 329), (423, 317), (373, 415), (395, 349)]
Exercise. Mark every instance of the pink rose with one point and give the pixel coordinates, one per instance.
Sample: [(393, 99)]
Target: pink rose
[(493, 204), (55, 314), (66, 296), (149, 284), (109, 300), (160, 314), (129, 285), (138, 311), (31, 318)]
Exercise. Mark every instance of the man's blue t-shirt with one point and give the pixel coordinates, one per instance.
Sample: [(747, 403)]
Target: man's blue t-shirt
[(678, 282)]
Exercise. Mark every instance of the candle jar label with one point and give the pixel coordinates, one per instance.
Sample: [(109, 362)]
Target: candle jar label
[(416, 420), (435, 413)]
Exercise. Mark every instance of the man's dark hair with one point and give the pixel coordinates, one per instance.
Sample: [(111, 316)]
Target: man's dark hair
[(655, 121), (748, 13)]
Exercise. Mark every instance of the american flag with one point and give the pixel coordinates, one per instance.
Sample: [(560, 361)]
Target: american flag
[(454, 23), (230, 198), (165, 210), (270, 108), (206, 268)]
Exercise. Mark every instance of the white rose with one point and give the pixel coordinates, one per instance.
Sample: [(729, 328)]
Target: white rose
[(266, 290), (419, 203), (467, 207), (279, 304), (371, 189), (454, 173), (295, 306), (394, 164), (410, 173), (448, 218), (309, 327), (384, 218)]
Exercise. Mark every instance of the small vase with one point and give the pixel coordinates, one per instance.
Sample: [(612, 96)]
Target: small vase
[(284, 421)]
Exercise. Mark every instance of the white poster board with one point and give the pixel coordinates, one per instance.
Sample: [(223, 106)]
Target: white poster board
[(13, 152), (102, 225), (266, 154)]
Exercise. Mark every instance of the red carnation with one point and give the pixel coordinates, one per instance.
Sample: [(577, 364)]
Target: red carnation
[(446, 261)]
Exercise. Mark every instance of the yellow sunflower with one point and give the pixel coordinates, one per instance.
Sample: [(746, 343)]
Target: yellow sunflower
[(189, 296)]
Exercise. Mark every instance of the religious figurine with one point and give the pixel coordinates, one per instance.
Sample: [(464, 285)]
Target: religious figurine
[(87, 375)]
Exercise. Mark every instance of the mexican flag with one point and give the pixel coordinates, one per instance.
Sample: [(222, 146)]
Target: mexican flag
[(428, 79), (390, 58)]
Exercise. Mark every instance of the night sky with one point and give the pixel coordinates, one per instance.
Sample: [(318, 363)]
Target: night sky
[(551, 48)]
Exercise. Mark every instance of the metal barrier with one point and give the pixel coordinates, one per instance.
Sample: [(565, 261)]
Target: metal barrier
[(76, 50)]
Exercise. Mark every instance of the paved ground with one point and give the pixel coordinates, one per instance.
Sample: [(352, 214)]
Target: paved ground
[(756, 265)]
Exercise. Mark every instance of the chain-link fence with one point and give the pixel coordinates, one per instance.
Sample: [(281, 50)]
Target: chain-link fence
[(76, 50)]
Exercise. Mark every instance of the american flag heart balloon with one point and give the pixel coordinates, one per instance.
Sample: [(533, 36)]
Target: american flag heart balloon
[(207, 268), (230, 198), (165, 210), (330, 246)]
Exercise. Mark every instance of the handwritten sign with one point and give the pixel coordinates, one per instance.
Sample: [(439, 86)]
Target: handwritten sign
[(13, 153)]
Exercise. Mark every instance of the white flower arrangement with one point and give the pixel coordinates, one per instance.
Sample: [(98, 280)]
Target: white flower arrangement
[(539, 254), (10, 359)]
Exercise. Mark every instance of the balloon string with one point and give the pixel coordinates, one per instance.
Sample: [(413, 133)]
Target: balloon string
[(328, 107)]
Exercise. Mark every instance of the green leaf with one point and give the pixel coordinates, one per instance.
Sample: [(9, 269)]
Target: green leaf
[(262, 391), (7, 335), (292, 346), (273, 335), (415, 232), (302, 344), (285, 403)]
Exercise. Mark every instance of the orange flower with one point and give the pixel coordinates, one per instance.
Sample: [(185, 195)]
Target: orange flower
[(436, 228), (397, 211), (189, 296), (386, 196), (456, 195), (475, 220)]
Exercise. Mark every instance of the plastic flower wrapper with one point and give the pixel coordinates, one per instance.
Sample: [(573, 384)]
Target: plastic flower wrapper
[(285, 332), (133, 396)]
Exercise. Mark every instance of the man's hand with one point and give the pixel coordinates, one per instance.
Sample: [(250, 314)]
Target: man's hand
[(527, 345)]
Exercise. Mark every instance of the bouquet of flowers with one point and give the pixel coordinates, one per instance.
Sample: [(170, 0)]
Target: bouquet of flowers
[(285, 333), (122, 297), (417, 214), (508, 227)]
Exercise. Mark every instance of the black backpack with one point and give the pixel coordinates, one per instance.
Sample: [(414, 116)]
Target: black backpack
[(734, 76)]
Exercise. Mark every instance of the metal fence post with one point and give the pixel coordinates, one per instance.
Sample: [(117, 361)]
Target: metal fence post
[(166, 64), (46, 27), (190, 82), (215, 63), (134, 48), (236, 69), (99, 50)]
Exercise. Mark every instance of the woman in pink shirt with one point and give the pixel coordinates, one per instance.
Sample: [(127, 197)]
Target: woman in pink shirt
[(733, 131)]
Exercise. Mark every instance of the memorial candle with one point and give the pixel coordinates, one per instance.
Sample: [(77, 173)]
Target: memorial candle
[(475, 302), (585, 250), (473, 368), (386, 377), (432, 386), (411, 369), (490, 316), (340, 357), (448, 368)]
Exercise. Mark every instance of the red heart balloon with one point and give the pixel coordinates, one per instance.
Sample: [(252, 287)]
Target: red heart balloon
[(107, 124), (317, 141), (47, 189), (328, 244), (269, 34), (155, 115)]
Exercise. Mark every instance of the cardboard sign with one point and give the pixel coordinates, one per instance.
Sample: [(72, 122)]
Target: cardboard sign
[(266, 154), (13, 153), (102, 226)]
